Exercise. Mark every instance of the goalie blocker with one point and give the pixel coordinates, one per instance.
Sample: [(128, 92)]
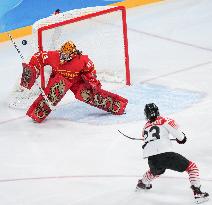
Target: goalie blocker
[(57, 88), (29, 76)]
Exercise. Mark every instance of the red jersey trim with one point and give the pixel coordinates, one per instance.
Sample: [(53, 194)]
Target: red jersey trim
[(173, 124), (159, 121)]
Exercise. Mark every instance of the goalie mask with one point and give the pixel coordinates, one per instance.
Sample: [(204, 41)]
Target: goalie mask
[(68, 51), (151, 112)]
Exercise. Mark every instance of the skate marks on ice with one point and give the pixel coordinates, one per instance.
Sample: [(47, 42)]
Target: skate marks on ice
[(96, 191), (169, 101), (165, 191)]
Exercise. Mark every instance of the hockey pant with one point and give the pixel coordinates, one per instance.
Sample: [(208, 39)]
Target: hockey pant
[(101, 99), (54, 92)]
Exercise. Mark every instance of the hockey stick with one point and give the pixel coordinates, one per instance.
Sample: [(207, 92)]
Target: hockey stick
[(22, 57), (132, 138), (16, 47)]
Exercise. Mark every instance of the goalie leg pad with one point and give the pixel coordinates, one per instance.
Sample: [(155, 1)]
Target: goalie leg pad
[(28, 76), (102, 99), (39, 110), (56, 89)]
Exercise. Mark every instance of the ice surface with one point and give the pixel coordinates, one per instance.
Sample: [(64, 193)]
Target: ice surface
[(77, 157)]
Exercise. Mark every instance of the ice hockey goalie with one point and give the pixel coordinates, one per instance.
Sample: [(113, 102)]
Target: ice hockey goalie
[(71, 70)]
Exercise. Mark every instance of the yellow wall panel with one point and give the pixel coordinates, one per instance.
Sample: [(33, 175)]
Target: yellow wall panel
[(17, 33), (134, 3)]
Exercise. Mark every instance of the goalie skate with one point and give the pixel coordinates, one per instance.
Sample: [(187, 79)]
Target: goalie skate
[(199, 196)]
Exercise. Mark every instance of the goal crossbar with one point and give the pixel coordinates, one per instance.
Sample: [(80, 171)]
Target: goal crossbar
[(90, 15)]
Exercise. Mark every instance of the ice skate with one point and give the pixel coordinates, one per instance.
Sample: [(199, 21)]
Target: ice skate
[(142, 186), (199, 196)]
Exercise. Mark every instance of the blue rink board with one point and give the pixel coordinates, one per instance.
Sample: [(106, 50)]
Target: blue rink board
[(19, 13), (169, 101)]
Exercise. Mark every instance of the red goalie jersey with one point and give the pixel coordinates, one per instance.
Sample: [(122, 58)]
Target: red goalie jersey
[(76, 67), (70, 70)]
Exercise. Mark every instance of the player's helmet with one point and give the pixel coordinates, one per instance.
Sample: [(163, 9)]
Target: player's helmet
[(67, 51), (151, 112)]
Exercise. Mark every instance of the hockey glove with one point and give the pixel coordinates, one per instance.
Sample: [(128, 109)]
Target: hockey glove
[(95, 85), (28, 76), (92, 82), (183, 141)]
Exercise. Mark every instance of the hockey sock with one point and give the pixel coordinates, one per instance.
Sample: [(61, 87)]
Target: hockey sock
[(193, 173), (148, 177)]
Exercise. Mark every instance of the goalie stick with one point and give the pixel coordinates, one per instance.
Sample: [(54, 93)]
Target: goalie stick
[(16, 47), (22, 57)]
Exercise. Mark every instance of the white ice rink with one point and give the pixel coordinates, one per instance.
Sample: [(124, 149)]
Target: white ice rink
[(77, 157)]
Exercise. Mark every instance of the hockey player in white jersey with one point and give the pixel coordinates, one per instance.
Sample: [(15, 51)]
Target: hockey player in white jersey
[(158, 149)]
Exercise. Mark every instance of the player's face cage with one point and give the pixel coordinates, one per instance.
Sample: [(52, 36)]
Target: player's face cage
[(65, 57), (68, 51)]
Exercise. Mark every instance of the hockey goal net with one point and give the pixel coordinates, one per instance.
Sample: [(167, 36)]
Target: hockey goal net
[(99, 32)]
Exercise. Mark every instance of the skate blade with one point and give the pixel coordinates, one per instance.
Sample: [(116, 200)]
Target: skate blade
[(201, 200), (137, 189)]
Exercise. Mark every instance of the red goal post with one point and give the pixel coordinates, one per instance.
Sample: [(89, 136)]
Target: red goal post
[(92, 15)]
